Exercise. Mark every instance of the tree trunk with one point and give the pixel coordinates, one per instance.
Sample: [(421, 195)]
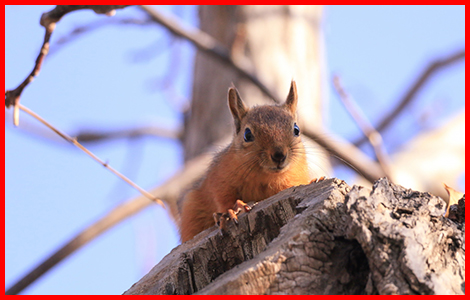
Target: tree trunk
[(278, 43), (324, 238)]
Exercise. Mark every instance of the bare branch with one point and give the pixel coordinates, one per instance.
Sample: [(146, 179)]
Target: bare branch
[(48, 21), (207, 44), (347, 153), (427, 73), (76, 143), (90, 136), (372, 135), (59, 11), (80, 30), (169, 191), (12, 97)]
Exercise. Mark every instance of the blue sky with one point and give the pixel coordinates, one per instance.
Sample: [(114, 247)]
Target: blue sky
[(52, 190)]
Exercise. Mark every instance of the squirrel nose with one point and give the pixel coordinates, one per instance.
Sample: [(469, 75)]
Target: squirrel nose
[(278, 157)]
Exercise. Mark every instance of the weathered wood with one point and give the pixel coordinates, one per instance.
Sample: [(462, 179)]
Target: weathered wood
[(410, 246), (323, 238)]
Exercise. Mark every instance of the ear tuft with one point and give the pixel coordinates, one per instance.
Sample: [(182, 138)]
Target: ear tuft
[(291, 101), (237, 107)]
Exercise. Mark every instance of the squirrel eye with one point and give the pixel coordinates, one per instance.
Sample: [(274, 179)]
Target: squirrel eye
[(296, 130), (248, 137)]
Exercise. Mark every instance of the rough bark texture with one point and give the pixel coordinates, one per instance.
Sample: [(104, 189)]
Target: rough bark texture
[(324, 238)]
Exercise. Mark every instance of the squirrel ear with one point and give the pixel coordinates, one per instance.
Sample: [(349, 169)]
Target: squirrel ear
[(291, 102), (237, 107)]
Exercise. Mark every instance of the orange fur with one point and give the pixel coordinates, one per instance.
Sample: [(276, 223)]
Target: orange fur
[(249, 170)]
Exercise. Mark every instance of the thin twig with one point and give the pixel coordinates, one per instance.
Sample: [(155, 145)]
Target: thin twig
[(33, 129), (80, 30), (104, 164), (427, 73), (366, 127)]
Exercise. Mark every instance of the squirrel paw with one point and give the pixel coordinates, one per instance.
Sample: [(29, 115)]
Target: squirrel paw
[(241, 207), (318, 179), (221, 219)]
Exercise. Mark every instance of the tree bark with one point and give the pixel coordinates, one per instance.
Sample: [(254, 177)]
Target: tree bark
[(324, 238)]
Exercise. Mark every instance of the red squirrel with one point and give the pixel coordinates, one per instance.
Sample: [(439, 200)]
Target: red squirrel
[(265, 157)]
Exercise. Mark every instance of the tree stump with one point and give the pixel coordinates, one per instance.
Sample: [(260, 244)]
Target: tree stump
[(323, 238)]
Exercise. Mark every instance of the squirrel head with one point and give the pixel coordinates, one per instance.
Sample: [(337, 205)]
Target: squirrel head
[(266, 136)]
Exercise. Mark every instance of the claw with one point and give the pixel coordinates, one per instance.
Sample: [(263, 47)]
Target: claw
[(217, 217), (318, 179), (241, 207), (232, 215), (221, 219)]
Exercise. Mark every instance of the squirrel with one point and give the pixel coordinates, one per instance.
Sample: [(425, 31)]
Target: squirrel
[(266, 156)]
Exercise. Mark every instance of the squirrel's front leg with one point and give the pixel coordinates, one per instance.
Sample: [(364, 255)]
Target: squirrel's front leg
[(221, 219)]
